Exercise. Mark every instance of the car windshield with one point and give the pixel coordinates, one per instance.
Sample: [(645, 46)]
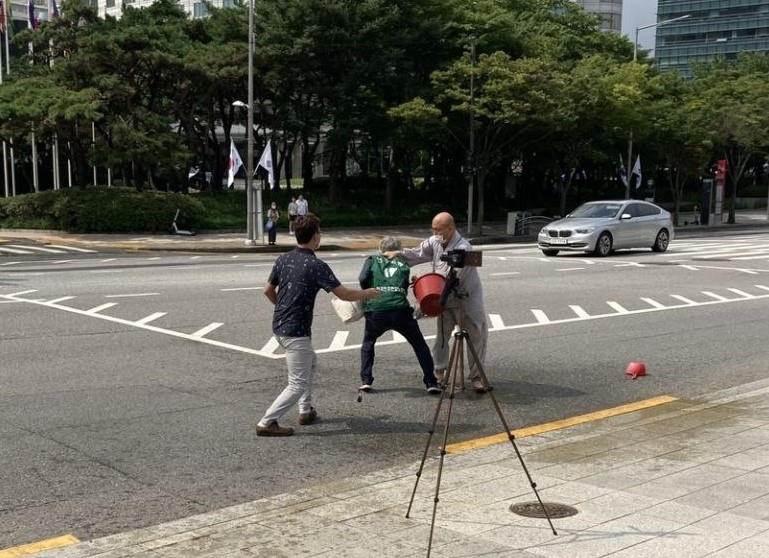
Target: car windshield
[(596, 211)]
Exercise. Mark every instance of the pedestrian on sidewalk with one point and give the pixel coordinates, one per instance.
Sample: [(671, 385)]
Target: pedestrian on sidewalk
[(302, 207), (392, 311), (292, 286), (272, 223), (292, 207), (467, 300)]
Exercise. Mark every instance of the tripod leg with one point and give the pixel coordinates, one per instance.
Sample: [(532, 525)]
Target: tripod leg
[(455, 363), (510, 435), (430, 433)]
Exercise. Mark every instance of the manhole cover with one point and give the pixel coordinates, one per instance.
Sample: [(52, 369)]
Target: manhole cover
[(534, 509)]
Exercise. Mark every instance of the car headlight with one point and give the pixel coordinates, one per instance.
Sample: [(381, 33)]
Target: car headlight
[(543, 230), (584, 230)]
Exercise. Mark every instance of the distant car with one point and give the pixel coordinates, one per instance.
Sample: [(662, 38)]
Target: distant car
[(600, 227)]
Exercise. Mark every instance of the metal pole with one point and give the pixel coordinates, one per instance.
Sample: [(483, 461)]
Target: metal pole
[(250, 215), (471, 150), (628, 172)]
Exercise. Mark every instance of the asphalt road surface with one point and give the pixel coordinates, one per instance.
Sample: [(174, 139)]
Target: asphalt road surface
[(130, 383)]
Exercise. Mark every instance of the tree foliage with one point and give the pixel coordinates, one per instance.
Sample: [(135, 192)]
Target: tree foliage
[(456, 96)]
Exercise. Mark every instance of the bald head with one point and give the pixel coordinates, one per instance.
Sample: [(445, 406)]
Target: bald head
[(444, 226)]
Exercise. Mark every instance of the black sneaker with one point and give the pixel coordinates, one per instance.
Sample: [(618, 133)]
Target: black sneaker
[(365, 387), (434, 389)]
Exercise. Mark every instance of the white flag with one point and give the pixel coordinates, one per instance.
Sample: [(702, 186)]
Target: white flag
[(622, 171), (637, 172), (235, 163), (265, 161)]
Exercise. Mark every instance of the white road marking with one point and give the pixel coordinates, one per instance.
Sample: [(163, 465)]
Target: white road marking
[(340, 338), (13, 250), (241, 289), (652, 302), (690, 267), (740, 293), (270, 348), (496, 321), (504, 274), (579, 311), (129, 295), (35, 248), (714, 295), (60, 299), (73, 248), (617, 306), (203, 331), (540, 316), (570, 269), (97, 309), (151, 318)]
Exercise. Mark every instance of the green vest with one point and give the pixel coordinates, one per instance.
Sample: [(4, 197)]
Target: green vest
[(391, 277)]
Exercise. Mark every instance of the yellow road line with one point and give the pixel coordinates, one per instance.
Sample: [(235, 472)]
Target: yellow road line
[(557, 425), (40, 546)]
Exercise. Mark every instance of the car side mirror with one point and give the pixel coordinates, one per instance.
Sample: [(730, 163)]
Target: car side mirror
[(625, 216)]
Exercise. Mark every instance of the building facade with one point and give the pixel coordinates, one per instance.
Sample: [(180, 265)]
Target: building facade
[(609, 10), (716, 28), (194, 8)]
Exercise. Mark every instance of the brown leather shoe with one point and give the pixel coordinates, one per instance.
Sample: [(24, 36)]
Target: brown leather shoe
[(273, 429), (308, 418)]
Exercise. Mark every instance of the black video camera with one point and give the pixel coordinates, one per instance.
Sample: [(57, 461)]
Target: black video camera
[(461, 258)]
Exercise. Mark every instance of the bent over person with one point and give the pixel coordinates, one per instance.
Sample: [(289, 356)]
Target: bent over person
[(464, 307), (392, 311), (292, 286)]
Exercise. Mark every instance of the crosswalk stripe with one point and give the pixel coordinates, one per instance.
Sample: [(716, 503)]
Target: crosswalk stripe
[(73, 248), (13, 250), (36, 248)]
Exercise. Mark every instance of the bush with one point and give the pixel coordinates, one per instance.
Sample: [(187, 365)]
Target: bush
[(89, 210), (114, 209)]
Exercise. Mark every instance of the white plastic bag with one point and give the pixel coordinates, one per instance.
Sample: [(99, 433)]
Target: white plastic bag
[(348, 312)]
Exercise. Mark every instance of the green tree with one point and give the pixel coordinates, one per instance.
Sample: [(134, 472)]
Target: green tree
[(732, 102)]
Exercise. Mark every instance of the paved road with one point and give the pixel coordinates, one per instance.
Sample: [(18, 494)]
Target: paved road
[(123, 406)]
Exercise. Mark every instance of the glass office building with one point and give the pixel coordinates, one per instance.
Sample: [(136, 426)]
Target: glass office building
[(716, 28), (609, 10)]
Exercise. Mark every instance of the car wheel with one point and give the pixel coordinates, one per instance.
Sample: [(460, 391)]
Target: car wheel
[(603, 246), (662, 241), (550, 253)]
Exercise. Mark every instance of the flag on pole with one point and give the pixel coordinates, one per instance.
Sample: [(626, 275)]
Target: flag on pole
[(32, 19), (265, 161), (622, 171), (53, 11), (637, 172), (235, 162), (2, 17)]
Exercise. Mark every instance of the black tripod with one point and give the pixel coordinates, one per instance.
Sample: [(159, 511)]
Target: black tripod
[(455, 376)]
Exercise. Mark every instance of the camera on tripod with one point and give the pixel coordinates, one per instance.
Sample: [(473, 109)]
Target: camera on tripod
[(460, 258)]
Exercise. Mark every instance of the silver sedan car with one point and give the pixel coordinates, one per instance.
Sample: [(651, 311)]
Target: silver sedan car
[(600, 227)]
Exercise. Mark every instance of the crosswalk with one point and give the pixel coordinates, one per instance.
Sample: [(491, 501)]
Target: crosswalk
[(30, 249)]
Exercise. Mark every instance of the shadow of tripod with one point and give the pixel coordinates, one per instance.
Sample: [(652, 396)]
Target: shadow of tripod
[(454, 377)]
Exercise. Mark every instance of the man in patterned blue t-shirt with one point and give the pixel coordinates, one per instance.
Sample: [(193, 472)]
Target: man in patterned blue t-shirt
[(292, 286)]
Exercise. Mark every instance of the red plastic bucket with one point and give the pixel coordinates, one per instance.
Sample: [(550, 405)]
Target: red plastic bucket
[(428, 289)]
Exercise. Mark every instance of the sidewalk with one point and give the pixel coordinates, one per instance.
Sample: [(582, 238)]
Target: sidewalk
[(362, 239), (679, 479)]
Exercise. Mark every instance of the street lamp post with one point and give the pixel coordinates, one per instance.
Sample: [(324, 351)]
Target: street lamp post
[(628, 172), (253, 203)]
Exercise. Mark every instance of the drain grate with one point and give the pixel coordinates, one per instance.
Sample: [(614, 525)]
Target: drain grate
[(534, 509)]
